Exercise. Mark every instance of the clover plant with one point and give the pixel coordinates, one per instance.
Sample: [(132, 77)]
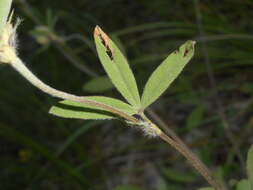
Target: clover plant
[(132, 111)]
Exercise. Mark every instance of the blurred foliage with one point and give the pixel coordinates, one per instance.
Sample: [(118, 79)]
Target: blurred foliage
[(40, 151)]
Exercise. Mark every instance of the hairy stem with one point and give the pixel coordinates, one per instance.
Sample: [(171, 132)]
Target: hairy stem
[(194, 161), (181, 147)]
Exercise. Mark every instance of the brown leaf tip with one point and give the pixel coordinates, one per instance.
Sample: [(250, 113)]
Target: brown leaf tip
[(186, 52), (189, 46), (98, 32)]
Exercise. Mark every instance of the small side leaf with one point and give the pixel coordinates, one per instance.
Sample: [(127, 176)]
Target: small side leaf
[(250, 164), (206, 188), (117, 68), (195, 117), (77, 110), (98, 84), (166, 73), (127, 187), (177, 176)]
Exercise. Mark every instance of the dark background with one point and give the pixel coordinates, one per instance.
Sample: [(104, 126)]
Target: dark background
[(209, 106)]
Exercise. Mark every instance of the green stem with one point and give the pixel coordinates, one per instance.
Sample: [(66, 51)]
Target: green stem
[(176, 142), (194, 161)]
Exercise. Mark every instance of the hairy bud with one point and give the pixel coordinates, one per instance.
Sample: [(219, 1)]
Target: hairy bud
[(8, 41)]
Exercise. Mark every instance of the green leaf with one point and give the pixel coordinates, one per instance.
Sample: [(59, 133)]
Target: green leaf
[(244, 185), (77, 110), (195, 117), (178, 176), (250, 164), (117, 68), (127, 187), (98, 84), (166, 73), (206, 188)]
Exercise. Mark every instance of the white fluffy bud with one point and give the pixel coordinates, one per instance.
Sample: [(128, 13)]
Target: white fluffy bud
[(8, 41)]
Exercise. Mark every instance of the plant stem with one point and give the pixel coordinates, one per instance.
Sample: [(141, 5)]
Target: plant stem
[(177, 143), (194, 161), (8, 54), (181, 147), (18, 65), (162, 124)]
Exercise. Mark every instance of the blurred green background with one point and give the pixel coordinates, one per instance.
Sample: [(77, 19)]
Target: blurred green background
[(209, 106)]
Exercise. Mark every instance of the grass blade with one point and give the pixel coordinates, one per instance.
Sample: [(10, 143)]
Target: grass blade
[(166, 73), (117, 68)]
